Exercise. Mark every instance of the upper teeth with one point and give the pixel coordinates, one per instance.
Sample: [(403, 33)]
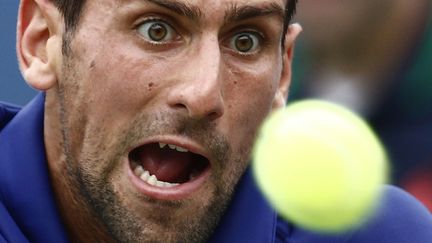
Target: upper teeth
[(172, 146), (151, 179)]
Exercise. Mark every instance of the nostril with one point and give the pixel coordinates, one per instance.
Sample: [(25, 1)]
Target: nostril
[(197, 103), (216, 113), (180, 106), (213, 115), (199, 108)]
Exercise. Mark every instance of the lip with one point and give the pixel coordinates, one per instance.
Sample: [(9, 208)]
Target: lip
[(178, 192)]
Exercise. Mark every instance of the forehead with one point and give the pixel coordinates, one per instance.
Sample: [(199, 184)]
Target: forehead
[(211, 13), (207, 3), (201, 7)]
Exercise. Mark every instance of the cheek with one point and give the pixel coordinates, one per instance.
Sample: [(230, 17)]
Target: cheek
[(121, 83), (109, 91), (248, 102), (251, 89)]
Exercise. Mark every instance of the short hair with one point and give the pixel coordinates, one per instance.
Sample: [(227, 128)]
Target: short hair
[(290, 11), (72, 10)]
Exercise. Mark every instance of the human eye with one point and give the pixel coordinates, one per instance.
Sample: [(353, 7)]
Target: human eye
[(247, 42), (157, 31)]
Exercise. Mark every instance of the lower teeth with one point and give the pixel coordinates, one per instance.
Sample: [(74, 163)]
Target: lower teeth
[(145, 176)]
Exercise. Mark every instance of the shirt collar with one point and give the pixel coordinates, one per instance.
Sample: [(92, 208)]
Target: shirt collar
[(248, 218), (25, 186)]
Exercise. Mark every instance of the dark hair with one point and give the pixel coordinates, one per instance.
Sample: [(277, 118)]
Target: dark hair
[(290, 10), (72, 9)]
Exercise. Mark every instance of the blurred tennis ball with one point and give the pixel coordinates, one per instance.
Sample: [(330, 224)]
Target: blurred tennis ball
[(320, 166)]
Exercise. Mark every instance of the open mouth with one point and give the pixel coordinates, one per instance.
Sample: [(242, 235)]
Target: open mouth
[(162, 168)]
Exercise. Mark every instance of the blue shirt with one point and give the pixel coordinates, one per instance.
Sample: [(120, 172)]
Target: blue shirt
[(28, 211)]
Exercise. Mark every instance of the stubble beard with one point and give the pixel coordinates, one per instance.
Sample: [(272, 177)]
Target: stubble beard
[(95, 188)]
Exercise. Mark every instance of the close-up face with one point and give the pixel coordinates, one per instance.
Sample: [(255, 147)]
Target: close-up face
[(159, 105)]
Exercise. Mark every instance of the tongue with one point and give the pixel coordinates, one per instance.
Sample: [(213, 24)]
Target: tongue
[(166, 164)]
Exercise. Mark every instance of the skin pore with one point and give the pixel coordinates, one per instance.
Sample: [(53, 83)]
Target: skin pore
[(201, 75)]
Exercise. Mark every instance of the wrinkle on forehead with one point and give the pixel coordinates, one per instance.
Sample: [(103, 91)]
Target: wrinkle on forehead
[(222, 10), (240, 12)]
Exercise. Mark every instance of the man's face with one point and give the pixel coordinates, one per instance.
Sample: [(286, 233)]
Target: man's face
[(161, 101)]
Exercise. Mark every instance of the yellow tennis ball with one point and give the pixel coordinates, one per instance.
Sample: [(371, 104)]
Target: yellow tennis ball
[(320, 166)]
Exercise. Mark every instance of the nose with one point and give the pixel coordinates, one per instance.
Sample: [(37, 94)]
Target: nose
[(198, 89)]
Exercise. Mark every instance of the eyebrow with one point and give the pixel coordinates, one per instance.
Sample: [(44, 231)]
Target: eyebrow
[(183, 9), (239, 13)]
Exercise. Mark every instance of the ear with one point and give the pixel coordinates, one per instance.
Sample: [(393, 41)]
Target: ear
[(39, 33), (287, 57)]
